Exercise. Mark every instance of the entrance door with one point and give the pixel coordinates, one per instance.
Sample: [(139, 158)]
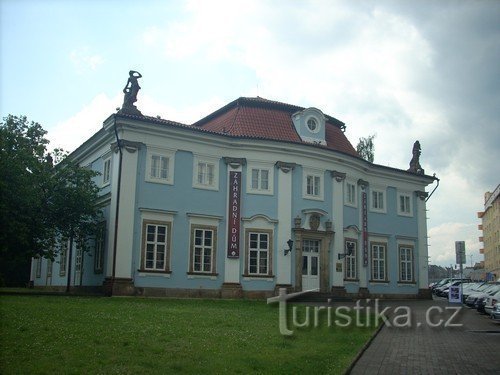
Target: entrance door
[(310, 264)]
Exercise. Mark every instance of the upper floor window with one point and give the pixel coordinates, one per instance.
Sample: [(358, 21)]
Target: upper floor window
[(350, 194), (160, 166), (260, 179), (313, 185), (404, 204), (378, 200), (206, 173), (312, 124), (106, 171)]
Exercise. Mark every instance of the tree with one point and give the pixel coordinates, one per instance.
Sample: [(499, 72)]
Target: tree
[(366, 148), (43, 197)]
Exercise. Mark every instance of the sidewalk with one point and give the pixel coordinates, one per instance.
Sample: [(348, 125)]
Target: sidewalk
[(434, 350)]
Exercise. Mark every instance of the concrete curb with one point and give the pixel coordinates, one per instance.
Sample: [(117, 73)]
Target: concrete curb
[(363, 349)]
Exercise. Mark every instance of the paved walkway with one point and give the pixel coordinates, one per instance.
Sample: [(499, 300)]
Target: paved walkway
[(468, 349)]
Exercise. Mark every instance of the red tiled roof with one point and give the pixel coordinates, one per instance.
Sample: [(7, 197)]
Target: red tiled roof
[(266, 119)]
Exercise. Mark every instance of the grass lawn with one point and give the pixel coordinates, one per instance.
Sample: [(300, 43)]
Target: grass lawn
[(55, 334)]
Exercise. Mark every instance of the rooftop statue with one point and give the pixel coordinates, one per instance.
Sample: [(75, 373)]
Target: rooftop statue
[(415, 166), (130, 90)]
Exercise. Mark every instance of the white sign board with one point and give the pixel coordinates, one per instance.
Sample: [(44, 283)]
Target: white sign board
[(460, 251), (455, 294)]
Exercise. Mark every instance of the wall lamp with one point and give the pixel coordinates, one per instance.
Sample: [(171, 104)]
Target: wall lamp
[(290, 244), (350, 249)]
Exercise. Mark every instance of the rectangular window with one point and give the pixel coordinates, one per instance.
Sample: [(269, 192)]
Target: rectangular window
[(159, 167), (63, 257), (106, 171), (313, 185), (258, 253), (350, 248), (99, 247), (350, 194), (379, 262), (260, 179), (155, 246), (203, 247), (206, 174), (406, 263), (404, 204), (378, 200), (38, 265)]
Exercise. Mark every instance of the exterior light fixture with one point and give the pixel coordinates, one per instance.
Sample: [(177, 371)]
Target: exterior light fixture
[(350, 249), (290, 244)]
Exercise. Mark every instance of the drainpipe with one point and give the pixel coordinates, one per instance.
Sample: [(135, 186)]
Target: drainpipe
[(118, 143), (432, 192)]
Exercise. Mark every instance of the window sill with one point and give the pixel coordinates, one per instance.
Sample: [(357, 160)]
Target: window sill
[(206, 187), (405, 283), (260, 192), (313, 197), (377, 211), (351, 280), (352, 205), (379, 282), (144, 273), (405, 214), (160, 181), (202, 275), (248, 277)]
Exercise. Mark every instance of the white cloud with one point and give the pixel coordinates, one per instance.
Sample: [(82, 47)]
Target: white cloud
[(83, 60)]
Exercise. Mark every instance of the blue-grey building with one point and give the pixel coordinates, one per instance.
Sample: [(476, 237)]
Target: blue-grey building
[(256, 196)]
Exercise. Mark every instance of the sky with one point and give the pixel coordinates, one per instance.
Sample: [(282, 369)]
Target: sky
[(402, 70)]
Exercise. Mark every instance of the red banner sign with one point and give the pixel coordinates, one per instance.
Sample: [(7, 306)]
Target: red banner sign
[(365, 229), (233, 217)]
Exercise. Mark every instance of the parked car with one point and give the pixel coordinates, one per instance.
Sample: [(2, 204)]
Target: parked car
[(490, 289), (490, 302), (495, 313), (474, 289)]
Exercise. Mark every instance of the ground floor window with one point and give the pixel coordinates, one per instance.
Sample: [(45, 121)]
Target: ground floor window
[(350, 249), (258, 253), (379, 263), (155, 246), (406, 263), (63, 257), (203, 249), (38, 265)]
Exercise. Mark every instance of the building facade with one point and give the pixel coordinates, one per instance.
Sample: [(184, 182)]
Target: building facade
[(256, 196), (490, 228)]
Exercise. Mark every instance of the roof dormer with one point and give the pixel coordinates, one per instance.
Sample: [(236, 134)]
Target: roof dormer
[(310, 125)]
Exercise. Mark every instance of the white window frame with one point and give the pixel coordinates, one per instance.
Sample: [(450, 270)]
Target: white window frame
[(347, 194), (378, 262), (308, 173), (203, 160), (251, 189), (406, 263), (351, 261), (259, 250), (407, 199), (203, 248), (155, 242), (63, 257), (106, 171), (378, 191), (38, 267), (161, 153)]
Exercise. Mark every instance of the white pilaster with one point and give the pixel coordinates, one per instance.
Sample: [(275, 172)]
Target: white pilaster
[(284, 193), (124, 245), (422, 259), (338, 226)]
